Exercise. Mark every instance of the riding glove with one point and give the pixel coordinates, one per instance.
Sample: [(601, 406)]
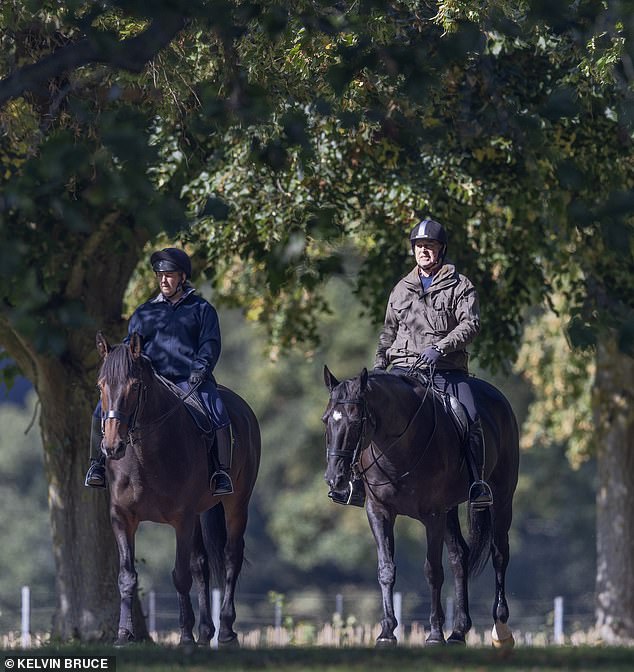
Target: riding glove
[(431, 355)]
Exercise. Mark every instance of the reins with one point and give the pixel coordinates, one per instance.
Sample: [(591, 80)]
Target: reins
[(358, 450), (154, 424), (376, 457)]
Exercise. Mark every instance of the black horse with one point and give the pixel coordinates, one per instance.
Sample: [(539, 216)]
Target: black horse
[(398, 437), (157, 471)]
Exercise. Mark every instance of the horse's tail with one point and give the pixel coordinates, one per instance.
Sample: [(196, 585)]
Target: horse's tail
[(214, 530), (480, 539)]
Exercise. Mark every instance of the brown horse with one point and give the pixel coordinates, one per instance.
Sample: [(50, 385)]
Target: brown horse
[(399, 439), (157, 471)]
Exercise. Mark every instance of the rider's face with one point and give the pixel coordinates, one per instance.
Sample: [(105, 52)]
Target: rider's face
[(427, 253), (170, 283)]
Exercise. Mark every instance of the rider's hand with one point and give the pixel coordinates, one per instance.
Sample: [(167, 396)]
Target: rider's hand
[(430, 355), (196, 378)]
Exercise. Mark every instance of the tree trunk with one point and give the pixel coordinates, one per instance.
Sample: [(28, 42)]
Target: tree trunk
[(83, 544), (614, 420)]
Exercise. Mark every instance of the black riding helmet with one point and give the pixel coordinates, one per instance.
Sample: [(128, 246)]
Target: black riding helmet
[(429, 229), (171, 259)]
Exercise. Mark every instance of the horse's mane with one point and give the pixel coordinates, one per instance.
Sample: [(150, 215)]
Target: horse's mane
[(118, 366)]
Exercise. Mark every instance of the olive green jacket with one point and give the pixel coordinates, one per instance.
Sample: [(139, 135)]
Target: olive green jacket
[(446, 315)]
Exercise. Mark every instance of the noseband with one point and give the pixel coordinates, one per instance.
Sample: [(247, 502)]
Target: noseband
[(127, 418)]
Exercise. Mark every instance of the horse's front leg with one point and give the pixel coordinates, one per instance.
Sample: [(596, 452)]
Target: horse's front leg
[(435, 530), (459, 561), (382, 525), (182, 576), (124, 528)]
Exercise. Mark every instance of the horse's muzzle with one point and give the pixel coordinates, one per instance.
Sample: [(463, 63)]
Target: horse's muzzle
[(116, 452)]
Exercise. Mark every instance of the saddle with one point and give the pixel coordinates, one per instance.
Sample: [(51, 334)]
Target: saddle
[(422, 384), (193, 404)]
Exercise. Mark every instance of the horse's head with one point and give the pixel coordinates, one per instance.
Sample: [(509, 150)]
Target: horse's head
[(345, 419), (120, 384)]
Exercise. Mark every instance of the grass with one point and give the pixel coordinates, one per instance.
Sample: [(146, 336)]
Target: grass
[(151, 658)]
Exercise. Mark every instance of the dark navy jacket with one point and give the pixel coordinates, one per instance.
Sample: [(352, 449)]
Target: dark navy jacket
[(178, 338)]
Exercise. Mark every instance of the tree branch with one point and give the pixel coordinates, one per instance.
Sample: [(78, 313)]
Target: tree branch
[(131, 54)]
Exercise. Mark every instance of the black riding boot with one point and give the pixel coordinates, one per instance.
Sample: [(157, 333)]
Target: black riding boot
[(480, 495), (220, 481), (96, 475)]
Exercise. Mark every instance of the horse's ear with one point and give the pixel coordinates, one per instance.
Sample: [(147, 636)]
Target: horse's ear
[(136, 345), (329, 379), (103, 347), (363, 379)]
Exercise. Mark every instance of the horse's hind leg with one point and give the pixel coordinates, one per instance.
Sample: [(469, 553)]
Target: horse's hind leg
[(458, 552), (200, 574), (501, 635), (182, 576)]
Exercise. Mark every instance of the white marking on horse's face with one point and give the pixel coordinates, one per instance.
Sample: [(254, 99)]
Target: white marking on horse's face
[(337, 415)]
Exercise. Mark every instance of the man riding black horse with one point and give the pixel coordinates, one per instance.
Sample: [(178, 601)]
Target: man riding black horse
[(432, 315), (181, 337)]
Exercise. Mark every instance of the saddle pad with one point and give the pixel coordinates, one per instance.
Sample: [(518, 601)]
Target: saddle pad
[(193, 404)]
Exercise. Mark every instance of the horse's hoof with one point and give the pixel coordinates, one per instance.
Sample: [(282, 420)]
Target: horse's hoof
[(456, 639), (435, 641), (124, 638), (386, 642), (507, 643), (231, 643), (502, 636)]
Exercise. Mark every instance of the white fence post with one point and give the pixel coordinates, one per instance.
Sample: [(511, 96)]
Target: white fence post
[(26, 617), (398, 613), (215, 615), (339, 606), (151, 614), (559, 621)]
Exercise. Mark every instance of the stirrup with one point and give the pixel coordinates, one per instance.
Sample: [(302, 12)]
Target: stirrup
[(220, 483), (96, 474), (354, 496), (484, 499)]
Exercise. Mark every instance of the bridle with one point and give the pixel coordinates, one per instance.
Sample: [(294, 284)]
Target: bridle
[(131, 418), (354, 454)]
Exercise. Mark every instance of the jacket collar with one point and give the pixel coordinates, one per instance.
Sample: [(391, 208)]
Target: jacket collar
[(446, 276), (161, 299)]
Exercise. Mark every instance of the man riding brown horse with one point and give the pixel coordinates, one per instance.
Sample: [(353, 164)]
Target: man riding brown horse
[(181, 337)]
